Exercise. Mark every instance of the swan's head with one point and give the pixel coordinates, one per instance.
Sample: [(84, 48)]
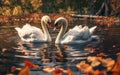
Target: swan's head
[(46, 20), (61, 21)]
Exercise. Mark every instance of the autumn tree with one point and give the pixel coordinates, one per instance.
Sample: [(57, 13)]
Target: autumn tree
[(25, 7), (36, 4), (17, 10)]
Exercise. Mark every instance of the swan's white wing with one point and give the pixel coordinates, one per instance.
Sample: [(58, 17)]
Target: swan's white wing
[(30, 33), (86, 33), (39, 33), (26, 26), (19, 31), (77, 28), (35, 34), (77, 34), (71, 41), (67, 39), (37, 30), (74, 31), (72, 35)]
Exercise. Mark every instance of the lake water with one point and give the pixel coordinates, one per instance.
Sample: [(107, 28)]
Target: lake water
[(48, 54)]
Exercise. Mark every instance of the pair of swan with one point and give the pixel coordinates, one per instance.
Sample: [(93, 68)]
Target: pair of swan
[(77, 34)]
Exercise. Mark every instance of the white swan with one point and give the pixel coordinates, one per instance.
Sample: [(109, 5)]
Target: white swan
[(75, 35), (33, 34)]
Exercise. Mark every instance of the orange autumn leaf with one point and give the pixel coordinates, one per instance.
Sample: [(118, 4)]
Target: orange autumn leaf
[(28, 63), (66, 46)]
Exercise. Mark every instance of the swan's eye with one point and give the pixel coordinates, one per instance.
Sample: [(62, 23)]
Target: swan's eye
[(49, 22), (56, 24)]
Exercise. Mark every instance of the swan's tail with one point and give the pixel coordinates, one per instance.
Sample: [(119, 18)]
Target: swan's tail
[(92, 29)]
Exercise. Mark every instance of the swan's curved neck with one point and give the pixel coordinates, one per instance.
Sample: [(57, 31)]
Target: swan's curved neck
[(61, 33), (45, 31)]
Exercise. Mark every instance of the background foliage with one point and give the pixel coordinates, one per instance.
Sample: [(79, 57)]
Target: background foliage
[(23, 7)]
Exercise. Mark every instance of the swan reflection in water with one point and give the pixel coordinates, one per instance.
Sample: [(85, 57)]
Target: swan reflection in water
[(53, 54), (31, 51), (45, 52), (31, 46), (77, 52)]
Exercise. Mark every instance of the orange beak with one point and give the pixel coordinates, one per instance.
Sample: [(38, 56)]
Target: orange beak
[(49, 26)]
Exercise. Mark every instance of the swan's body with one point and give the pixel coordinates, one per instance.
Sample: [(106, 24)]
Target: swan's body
[(75, 35), (33, 34)]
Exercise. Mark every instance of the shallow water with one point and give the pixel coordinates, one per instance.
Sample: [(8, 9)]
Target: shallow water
[(48, 54)]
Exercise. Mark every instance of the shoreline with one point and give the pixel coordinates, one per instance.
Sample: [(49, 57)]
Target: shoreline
[(34, 17)]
